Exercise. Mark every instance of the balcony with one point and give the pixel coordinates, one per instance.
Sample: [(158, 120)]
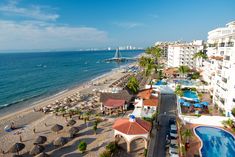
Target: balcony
[(222, 45), (230, 44)]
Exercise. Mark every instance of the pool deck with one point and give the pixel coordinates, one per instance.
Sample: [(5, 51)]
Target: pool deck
[(195, 143)]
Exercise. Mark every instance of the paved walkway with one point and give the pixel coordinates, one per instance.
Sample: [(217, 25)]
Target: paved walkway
[(167, 109)]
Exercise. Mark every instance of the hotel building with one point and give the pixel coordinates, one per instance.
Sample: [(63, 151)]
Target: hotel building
[(219, 69), (182, 54)]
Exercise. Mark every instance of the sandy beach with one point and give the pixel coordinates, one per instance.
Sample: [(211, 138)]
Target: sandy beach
[(28, 119)]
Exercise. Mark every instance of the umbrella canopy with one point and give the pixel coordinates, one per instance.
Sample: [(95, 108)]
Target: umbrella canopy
[(205, 103), (198, 105), (60, 141), (43, 155), (196, 100), (181, 101), (16, 147), (57, 128), (71, 122), (73, 130), (40, 140), (186, 104), (37, 149)]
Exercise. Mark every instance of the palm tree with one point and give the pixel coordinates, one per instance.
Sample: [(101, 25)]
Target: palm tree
[(79, 113), (183, 69), (95, 128), (201, 55), (187, 134), (82, 146), (133, 84)]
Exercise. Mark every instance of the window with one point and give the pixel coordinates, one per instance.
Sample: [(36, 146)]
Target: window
[(221, 44), (227, 58), (221, 53), (224, 80)]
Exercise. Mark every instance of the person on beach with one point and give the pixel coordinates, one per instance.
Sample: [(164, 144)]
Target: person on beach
[(13, 126), (21, 140), (34, 130)]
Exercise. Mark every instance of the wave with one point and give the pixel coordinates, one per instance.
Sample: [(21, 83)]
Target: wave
[(19, 101), (60, 92)]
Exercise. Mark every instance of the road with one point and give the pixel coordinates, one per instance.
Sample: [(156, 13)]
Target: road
[(167, 109)]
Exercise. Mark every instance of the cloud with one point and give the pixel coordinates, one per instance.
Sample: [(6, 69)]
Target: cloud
[(128, 25), (155, 16), (42, 35), (34, 11)]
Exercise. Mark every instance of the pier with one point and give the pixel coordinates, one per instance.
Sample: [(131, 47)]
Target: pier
[(118, 58)]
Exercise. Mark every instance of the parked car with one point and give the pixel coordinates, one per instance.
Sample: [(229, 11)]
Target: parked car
[(173, 151), (172, 121), (174, 142), (173, 127)]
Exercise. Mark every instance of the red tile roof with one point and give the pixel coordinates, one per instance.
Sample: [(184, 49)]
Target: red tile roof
[(145, 94), (151, 102), (139, 126), (114, 103)]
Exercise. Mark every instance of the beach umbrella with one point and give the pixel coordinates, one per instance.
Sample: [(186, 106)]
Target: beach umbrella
[(71, 122), (43, 155), (37, 149), (181, 100), (73, 131), (16, 147), (205, 103), (197, 105), (57, 128), (186, 104), (40, 140), (196, 100), (60, 141)]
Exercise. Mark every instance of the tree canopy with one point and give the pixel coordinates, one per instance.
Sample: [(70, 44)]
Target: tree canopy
[(200, 54), (133, 84)]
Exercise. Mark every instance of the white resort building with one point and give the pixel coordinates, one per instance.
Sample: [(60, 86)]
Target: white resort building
[(182, 54), (219, 69)]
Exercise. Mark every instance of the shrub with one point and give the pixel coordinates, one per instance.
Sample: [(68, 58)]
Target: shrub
[(112, 147), (82, 146), (233, 111), (105, 154), (145, 152)]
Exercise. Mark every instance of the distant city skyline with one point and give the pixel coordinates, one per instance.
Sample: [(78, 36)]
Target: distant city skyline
[(83, 24)]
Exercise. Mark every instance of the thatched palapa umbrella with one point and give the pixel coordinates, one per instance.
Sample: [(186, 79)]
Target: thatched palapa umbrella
[(37, 149), (56, 128), (16, 148), (71, 122), (60, 141), (73, 131), (43, 155), (40, 140)]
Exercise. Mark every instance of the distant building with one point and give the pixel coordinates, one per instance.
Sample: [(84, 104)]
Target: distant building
[(182, 54), (219, 69)]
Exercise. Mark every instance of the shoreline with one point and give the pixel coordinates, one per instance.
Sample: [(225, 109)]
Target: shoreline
[(60, 95)]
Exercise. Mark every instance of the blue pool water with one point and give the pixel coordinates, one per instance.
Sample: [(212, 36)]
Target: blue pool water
[(216, 142), (190, 94), (184, 82), (160, 82)]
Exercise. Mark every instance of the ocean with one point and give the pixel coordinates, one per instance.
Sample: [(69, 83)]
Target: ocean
[(28, 77)]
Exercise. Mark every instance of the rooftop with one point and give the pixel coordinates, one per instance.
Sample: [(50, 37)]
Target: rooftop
[(114, 103), (151, 102), (136, 127), (145, 94)]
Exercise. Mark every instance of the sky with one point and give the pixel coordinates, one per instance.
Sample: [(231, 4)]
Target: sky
[(80, 24)]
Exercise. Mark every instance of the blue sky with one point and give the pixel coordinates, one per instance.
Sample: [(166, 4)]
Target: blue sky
[(74, 24)]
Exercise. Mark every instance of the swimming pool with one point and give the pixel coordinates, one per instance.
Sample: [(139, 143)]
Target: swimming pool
[(185, 82), (215, 142), (190, 94), (160, 82)]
